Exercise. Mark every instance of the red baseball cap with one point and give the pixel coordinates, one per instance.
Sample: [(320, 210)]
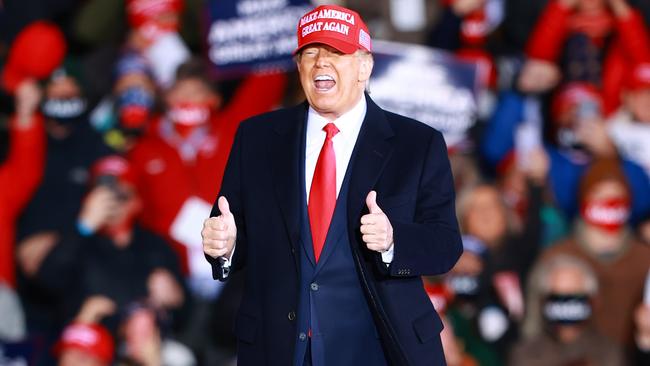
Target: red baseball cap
[(91, 338), (334, 26), (638, 77), (114, 165), (141, 11), (37, 51), (572, 95)]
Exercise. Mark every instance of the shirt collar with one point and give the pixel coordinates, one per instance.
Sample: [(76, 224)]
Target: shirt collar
[(346, 123)]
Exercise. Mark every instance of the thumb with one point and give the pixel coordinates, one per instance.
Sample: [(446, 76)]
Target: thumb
[(224, 207), (371, 201)]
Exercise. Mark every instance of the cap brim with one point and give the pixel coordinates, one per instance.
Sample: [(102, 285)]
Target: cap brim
[(345, 47)]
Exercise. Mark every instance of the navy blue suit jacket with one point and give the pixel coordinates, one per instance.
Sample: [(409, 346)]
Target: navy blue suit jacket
[(403, 160)]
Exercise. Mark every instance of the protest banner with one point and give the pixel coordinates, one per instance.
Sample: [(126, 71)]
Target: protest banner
[(428, 85), (248, 35)]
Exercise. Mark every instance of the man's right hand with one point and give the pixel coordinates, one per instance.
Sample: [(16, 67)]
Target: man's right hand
[(98, 208), (219, 233)]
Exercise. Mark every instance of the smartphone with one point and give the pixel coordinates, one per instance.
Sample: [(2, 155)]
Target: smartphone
[(111, 182)]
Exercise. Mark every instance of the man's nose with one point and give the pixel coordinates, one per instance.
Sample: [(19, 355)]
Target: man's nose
[(322, 60)]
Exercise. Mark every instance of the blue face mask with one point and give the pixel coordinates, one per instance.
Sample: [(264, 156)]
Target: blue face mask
[(64, 110), (567, 309)]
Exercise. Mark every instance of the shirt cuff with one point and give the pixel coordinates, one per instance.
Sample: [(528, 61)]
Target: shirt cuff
[(387, 256), (83, 229), (226, 262)]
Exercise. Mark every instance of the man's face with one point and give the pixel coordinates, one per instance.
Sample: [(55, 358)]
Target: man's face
[(333, 82), (591, 6), (485, 216), (62, 88), (567, 280), (77, 357)]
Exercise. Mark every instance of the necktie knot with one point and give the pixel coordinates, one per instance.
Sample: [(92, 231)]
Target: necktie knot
[(331, 130)]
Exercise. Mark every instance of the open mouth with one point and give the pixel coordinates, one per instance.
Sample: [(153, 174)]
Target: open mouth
[(324, 82)]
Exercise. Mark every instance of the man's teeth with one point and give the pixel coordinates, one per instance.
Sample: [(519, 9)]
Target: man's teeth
[(324, 78)]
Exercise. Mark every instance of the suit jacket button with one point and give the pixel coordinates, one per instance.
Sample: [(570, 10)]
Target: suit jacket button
[(291, 316), (314, 286), (302, 337)]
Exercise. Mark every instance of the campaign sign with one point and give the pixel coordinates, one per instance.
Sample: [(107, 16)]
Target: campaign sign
[(246, 35), (431, 86)]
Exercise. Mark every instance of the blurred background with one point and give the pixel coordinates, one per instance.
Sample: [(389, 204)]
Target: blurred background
[(117, 117)]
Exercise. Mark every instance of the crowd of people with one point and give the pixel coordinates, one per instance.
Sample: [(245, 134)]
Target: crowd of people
[(111, 157)]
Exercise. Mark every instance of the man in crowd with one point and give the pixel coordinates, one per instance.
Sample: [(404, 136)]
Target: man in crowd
[(336, 208), (602, 238), (567, 288)]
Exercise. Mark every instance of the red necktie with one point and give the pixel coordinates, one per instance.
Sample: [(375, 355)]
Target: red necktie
[(322, 195)]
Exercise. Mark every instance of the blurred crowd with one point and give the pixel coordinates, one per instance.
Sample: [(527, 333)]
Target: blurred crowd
[(114, 136)]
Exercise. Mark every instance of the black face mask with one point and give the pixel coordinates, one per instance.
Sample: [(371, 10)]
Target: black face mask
[(465, 286), (64, 111), (567, 309)]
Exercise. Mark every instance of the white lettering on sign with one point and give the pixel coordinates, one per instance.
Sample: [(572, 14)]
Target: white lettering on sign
[(255, 37), (248, 7)]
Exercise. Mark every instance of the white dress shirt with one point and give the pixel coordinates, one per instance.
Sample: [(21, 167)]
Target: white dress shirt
[(349, 125)]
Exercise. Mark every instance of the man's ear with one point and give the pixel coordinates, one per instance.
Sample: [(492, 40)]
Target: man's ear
[(365, 67)]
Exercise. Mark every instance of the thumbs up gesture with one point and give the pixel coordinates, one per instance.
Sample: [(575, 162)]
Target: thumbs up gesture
[(375, 227), (219, 233)]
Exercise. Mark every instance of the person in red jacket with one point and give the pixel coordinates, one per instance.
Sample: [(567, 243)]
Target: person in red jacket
[(21, 172), (611, 27), (179, 164), (179, 160)]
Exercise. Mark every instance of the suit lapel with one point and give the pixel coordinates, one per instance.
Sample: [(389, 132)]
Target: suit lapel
[(285, 157), (371, 153)]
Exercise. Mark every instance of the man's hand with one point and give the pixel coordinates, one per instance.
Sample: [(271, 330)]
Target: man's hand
[(95, 308), (592, 133), (375, 227), (98, 208), (219, 233), (27, 98), (33, 250), (537, 166), (620, 8)]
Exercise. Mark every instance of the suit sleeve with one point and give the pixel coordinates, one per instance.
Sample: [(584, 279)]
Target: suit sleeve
[(21, 173), (431, 244), (231, 189)]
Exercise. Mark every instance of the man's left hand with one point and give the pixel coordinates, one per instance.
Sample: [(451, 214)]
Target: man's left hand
[(375, 227)]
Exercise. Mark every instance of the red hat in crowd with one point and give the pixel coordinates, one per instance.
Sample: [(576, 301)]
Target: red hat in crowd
[(37, 50), (139, 12), (90, 338), (116, 166), (638, 77), (334, 26), (572, 95)]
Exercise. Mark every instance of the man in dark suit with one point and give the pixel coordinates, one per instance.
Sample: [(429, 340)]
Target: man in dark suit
[(336, 208)]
